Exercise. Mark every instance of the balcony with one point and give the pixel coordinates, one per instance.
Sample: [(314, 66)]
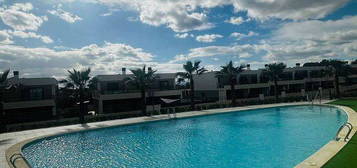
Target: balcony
[(20, 98), (29, 104), (132, 94), (108, 92)]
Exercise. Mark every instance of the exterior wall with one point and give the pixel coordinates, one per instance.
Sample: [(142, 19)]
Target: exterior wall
[(114, 96), (137, 94), (29, 104), (22, 93), (19, 115), (295, 81), (206, 81), (251, 85), (22, 104)]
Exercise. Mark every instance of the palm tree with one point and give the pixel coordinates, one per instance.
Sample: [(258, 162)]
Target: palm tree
[(340, 68), (231, 72), (274, 70), (142, 79), (78, 81), (3, 78), (191, 68), (326, 73)]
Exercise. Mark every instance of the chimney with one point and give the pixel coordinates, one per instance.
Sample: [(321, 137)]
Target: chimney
[(16, 74), (248, 66), (297, 64), (123, 70), (149, 69)]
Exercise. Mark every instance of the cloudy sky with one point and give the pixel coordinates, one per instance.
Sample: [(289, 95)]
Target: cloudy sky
[(47, 37)]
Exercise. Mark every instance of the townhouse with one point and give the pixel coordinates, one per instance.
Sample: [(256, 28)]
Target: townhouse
[(114, 95), (255, 85), (29, 99)]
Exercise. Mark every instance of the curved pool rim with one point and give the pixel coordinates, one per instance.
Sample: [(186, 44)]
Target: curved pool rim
[(23, 163)]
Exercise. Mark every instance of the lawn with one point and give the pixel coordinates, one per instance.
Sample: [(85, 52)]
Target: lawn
[(347, 157), (346, 102)]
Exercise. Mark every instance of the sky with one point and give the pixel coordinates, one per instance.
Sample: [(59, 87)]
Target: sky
[(45, 38)]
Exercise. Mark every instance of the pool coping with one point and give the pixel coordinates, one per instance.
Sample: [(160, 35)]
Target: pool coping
[(329, 150), (313, 161)]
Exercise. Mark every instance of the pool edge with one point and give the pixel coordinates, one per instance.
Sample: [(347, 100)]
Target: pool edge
[(329, 150), (22, 163)]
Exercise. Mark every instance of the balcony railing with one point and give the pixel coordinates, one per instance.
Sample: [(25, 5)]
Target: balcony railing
[(134, 91), (19, 99)]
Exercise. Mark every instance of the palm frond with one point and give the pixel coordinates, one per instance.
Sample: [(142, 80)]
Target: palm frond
[(200, 71), (4, 75), (141, 78)]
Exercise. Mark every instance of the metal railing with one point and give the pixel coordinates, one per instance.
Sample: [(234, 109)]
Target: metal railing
[(349, 126), (15, 157), (173, 113)]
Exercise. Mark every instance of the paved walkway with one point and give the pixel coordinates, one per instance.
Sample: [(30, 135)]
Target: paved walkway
[(9, 139)]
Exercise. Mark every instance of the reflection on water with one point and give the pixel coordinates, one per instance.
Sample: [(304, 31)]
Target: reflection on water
[(262, 137)]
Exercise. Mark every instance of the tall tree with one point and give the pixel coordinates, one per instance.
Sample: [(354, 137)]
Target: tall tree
[(79, 81), (231, 72), (274, 70), (142, 79), (3, 79), (340, 69), (326, 73), (191, 68)]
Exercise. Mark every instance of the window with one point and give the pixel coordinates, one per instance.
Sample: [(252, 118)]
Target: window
[(36, 94), (299, 75), (164, 85), (113, 86)]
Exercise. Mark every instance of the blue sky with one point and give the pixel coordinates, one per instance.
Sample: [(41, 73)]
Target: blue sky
[(47, 37)]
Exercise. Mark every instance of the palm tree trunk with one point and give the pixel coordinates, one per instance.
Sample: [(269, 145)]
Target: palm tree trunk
[(337, 86), (2, 116), (81, 107), (143, 102), (328, 87), (233, 93), (192, 94), (276, 90)]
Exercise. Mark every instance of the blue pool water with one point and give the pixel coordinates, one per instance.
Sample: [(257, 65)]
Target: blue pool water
[(278, 137)]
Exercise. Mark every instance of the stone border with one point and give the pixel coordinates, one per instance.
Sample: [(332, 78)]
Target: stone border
[(314, 160)]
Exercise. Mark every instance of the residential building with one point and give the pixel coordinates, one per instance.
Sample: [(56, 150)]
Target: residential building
[(113, 94), (255, 85), (29, 99)]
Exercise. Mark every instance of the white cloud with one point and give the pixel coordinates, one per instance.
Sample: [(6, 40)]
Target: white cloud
[(18, 17), (288, 9), (339, 31), (220, 51), (188, 15), (108, 58), (183, 35), (304, 41), (235, 20), (6, 36), (314, 40), (133, 19), (240, 36), (64, 15), (208, 38), (22, 34), (180, 16)]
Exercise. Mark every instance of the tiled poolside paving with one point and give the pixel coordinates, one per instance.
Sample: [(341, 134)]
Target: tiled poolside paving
[(9, 139)]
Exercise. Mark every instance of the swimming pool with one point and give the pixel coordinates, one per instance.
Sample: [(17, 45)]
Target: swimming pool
[(272, 137)]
